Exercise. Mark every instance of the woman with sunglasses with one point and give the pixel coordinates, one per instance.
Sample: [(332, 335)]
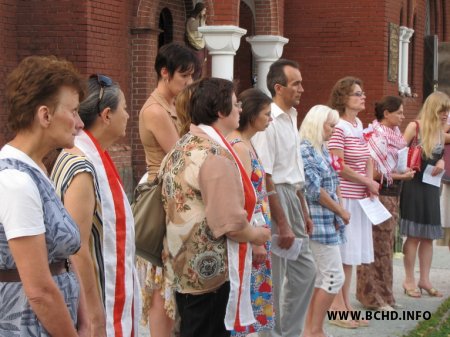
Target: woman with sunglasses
[(175, 64), (350, 150), (89, 186), (40, 293)]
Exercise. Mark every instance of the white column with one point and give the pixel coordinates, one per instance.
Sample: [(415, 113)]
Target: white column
[(266, 49), (402, 31), (405, 37), (222, 43)]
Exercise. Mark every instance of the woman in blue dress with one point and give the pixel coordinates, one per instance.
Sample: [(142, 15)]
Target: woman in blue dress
[(40, 292), (255, 116)]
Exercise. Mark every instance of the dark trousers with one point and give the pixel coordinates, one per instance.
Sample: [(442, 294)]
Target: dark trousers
[(203, 315)]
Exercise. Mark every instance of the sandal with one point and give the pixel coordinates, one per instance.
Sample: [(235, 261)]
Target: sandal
[(433, 292), (362, 323), (413, 292), (343, 323)]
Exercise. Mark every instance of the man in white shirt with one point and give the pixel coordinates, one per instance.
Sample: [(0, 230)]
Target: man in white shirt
[(279, 150)]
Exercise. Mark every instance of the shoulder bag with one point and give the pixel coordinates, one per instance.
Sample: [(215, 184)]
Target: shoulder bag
[(150, 221)]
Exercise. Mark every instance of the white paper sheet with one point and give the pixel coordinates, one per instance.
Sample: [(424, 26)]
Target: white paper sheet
[(374, 210), (429, 179), (402, 163), (292, 253)]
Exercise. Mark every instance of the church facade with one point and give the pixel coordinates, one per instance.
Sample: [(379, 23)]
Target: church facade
[(392, 45)]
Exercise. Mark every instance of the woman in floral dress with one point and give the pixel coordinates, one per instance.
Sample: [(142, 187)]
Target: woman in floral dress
[(255, 117)]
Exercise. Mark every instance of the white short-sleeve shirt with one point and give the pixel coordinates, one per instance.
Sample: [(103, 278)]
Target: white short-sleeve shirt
[(20, 204), (278, 148)]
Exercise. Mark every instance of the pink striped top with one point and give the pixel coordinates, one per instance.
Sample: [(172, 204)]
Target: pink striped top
[(349, 138)]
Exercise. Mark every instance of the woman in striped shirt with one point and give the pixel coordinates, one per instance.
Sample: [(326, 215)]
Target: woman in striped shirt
[(348, 144), (89, 185)]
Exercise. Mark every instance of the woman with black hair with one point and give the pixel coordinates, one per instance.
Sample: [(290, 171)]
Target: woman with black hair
[(158, 131), (375, 280), (255, 117)]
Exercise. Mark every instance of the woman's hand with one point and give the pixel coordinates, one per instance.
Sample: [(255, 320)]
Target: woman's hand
[(261, 235), (440, 165), (345, 215), (373, 188), (408, 175), (259, 254)]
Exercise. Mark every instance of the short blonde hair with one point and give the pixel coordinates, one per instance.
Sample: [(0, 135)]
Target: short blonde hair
[(312, 126)]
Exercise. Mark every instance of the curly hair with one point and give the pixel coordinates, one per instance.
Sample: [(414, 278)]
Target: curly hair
[(340, 92), (36, 81)]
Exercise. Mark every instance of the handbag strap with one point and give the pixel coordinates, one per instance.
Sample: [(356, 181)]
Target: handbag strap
[(415, 140)]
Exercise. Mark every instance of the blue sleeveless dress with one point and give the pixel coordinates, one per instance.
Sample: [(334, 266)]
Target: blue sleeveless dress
[(62, 238)]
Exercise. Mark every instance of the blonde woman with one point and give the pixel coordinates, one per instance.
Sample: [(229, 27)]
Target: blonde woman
[(327, 213), (420, 218)]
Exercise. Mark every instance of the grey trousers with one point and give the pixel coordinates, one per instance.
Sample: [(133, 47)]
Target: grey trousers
[(293, 281)]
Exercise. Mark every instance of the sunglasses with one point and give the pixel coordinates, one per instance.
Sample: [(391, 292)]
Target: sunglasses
[(104, 82)]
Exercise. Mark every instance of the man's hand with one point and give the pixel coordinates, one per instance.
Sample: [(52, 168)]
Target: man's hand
[(286, 236), (309, 225)]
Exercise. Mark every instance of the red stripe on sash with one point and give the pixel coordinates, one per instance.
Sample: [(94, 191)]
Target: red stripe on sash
[(250, 202), (115, 185)]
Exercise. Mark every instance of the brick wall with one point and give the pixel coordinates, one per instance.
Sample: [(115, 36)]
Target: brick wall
[(144, 44), (243, 60), (268, 22), (8, 57), (332, 39)]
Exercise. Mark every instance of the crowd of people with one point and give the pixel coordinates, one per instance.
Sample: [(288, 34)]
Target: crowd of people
[(240, 183)]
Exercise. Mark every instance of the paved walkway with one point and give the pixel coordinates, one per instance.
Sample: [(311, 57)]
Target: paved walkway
[(440, 276)]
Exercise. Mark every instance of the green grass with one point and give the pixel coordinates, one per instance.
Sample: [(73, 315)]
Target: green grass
[(437, 326)]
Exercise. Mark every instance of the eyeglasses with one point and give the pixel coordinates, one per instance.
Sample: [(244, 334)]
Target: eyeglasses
[(238, 105), (104, 82), (358, 94)]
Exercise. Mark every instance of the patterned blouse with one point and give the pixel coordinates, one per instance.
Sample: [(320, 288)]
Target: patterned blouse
[(320, 174), (198, 217)]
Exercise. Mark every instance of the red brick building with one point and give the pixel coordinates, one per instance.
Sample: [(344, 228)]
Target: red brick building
[(329, 38)]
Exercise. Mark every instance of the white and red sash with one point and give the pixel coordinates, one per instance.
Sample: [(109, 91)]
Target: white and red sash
[(122, 303), (239, 310), (384, 144)]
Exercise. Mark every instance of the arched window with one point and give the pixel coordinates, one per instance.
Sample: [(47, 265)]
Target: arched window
[(166, 27)]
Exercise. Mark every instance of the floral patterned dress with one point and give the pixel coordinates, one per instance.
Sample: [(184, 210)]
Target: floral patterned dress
[(261, 276)]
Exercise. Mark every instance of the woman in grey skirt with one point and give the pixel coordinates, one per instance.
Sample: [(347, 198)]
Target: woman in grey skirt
[(419, 202)]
